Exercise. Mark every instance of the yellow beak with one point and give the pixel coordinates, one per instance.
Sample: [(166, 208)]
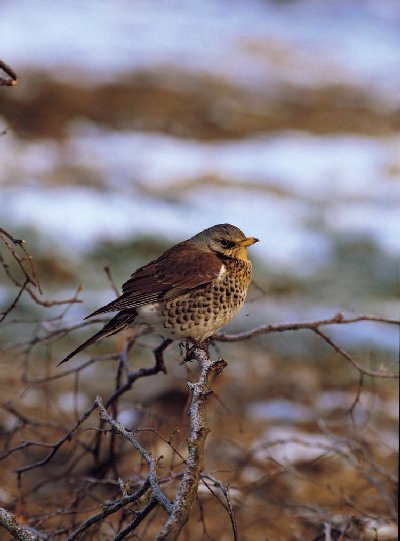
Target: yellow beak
[(248, 242)]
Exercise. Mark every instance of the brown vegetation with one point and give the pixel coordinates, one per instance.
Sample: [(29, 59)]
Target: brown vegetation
[(189, 106), (78, 473), (110, 447)]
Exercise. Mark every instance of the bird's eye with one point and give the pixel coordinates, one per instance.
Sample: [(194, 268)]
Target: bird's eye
[(226, 243)]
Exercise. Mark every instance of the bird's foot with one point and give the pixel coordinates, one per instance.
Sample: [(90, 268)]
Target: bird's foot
[(192, 345), (159, 354)]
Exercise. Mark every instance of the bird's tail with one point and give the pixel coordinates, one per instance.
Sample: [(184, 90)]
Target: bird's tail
[(116, 324)]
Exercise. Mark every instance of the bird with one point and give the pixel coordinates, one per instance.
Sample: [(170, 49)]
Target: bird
[(190, 292)]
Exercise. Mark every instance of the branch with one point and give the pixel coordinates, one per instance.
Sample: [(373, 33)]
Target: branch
[(30, 278), (338, 319), (6, 238), (201, 390), (19, 532), (157, 492), (56, 446), (314, 326), (12, 76), (134, 375), (228, 506), (14, 302), (109, 509), (351, 359), (140, 515)]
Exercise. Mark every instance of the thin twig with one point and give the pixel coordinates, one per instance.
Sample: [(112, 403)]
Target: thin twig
[(348, 357), (30, 277), (134, 375), (140, 515), (113, 285), (12, 80), (157, 492), (14, 302), (110, 509), (338, 319), (229, 506), (56, 446), (314, 326)]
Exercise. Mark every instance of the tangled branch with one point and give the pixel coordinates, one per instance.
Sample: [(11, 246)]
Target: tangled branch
[(174, 492), (157, 492), (29, 282), (110, 509)]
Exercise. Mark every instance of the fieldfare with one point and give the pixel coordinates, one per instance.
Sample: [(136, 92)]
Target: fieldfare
[(189, 292)]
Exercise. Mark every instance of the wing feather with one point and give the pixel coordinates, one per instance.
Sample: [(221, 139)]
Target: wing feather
[(180, 269)]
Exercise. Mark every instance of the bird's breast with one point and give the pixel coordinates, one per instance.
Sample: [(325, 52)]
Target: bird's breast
[(200, 313)]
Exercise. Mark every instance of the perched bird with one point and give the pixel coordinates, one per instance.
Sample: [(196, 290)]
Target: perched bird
[(189, 292)]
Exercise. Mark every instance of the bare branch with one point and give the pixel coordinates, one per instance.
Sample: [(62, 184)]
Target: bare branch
[(140, 515), (14, 302), (228, 506), (12, 76), (56, 446), (338, 319), (110, 509), (113, 285), (199, 430), (314, 326), (6, 238), (157, 492), (134, 375), (351, 359), (29, 274), (19, 532)]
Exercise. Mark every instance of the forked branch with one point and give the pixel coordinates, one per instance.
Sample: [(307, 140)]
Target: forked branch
[(199, 430), (338, 319)]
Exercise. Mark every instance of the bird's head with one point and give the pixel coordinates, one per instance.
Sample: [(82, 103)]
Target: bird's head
[(224, 239)]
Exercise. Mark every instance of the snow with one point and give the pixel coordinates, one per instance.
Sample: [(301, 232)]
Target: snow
[(252, 42), (275, 187)]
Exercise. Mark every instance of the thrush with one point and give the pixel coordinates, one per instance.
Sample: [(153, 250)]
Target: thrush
[(188, 293)]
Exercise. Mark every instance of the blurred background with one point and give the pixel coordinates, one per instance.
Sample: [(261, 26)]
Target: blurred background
[(137, 124)]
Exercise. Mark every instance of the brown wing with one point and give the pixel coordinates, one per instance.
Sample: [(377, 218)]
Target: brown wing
[(181, 268)]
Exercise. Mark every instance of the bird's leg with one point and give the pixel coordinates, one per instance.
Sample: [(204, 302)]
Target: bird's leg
[(159, 354), (123, 356), (192, 345)]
